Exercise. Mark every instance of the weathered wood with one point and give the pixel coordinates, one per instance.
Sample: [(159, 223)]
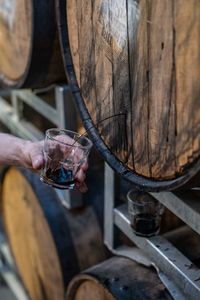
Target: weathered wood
[(117, 278), (30, 239), (29, 45), (49, 244), (140, 62)]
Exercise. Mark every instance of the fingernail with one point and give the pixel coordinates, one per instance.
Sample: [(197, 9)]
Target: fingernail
[(38, 163)]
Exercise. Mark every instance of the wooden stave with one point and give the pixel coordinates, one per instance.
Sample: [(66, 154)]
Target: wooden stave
[(182, 181), (120, 279), (148, 149), (64, 233), (36, 268), (36, 74), (64, 219)]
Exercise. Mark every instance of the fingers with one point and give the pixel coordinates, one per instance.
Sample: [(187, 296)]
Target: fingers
[(65, 139), (80, 179), (36, 156), (80, 176), (84, 167), (37, 162), (82, 187)]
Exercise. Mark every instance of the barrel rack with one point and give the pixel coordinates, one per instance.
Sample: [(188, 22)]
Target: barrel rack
[(8, 274), (11, 116), (177, 272), (63, 115)]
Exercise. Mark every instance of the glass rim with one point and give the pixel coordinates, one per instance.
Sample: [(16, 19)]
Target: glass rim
[(47, 134), (136, 202)]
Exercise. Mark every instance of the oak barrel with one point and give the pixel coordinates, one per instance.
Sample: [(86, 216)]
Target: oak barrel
[(49, 244), (134, 67), (30, 53), (117, 279)]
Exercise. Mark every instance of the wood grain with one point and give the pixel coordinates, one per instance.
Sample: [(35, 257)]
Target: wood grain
[(50, 244), (30, 54), (91, 290), (117, 278), (30, 239), (141, 59), (86, 236), (15, 37)]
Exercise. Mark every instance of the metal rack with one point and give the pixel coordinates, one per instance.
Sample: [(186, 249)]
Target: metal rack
[(157, 251), (8, 272), (63, 115), (178, 273)]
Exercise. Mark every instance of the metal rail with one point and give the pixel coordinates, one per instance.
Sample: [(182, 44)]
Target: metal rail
[(165, 256), (8, 270), (63, 116), (185, 205), (19, 127), (177, 272)]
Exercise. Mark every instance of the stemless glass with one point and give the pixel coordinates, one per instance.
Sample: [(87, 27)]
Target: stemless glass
[(145, 213), (64, 151)]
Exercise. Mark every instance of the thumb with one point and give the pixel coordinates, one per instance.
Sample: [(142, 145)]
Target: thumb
[(37, 161)]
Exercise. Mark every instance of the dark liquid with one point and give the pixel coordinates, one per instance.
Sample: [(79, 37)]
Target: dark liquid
[(145, 224), (61, 177)]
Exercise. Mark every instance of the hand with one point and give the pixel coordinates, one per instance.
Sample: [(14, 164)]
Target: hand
[(33, 158)]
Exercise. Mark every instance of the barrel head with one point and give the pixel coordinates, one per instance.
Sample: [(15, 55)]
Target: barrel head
[(137, 67)]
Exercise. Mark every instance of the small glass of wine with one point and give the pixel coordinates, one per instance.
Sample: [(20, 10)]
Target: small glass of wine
[(145, 213), (64, 151)]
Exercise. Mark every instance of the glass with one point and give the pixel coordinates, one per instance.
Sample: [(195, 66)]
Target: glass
[(145, 213), (64, 152)]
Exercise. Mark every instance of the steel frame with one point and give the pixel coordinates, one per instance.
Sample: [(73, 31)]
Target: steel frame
[(157, 251), (63, 116), (8, 271), (176, 271)]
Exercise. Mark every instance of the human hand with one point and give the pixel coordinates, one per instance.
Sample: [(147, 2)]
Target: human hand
[(33, 158)]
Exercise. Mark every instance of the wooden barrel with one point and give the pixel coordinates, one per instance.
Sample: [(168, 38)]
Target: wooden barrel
[(117, 279), (29, 44), (134, 67), (49, 244)]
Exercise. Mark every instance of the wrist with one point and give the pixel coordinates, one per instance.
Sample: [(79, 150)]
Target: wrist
[(13, 150), (24, 147)]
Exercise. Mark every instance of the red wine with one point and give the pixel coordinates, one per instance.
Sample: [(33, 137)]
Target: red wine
[(59, 178), (145, 224)]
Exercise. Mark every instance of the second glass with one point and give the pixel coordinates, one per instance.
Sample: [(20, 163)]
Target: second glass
[(64, 151), (145, 213)]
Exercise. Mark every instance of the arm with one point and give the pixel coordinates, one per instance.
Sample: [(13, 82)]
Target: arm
[(19, 152)]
